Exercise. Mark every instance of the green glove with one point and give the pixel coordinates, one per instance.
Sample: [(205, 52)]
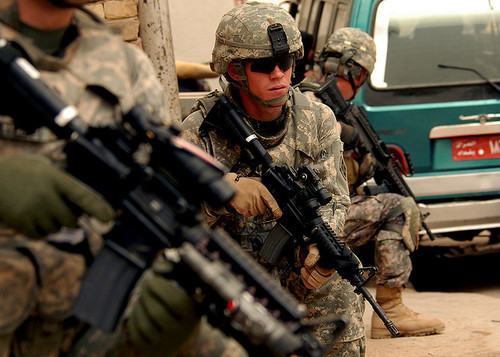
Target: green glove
[(162, 319), (38, 199)]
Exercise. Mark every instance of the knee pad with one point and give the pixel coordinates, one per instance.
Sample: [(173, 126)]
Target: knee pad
[(411, 224), (409, 230)]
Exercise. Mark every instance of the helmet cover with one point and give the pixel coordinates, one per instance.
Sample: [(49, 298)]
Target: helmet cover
[(243, 34), (357, 44)]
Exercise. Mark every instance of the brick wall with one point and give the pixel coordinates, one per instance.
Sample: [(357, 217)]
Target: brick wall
[(121, 15)]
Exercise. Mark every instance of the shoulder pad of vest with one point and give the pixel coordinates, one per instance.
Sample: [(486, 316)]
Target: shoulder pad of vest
[(299, 98), (307, 86), (206, 103)]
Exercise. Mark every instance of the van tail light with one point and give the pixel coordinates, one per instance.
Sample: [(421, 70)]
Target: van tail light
[(401, 159)]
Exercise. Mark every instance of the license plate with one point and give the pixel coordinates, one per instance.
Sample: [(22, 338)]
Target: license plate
[(475, 148)]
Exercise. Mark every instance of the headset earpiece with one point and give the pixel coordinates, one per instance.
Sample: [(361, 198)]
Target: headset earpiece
[(342, 67)]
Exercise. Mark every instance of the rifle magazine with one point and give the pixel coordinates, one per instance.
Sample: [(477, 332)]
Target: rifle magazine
[(106, 289), (273, 248)]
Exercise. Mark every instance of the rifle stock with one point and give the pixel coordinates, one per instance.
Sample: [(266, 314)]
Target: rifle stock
[(299, 194), (387, 174), (159, 207)]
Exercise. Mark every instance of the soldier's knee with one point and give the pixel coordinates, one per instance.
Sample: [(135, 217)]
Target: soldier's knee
[(18, 286)]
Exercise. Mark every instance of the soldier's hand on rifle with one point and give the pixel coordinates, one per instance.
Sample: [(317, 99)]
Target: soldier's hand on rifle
[(37, 198), (349, 136), (163, 316), (366, 168), (312, 275), (252, 197)]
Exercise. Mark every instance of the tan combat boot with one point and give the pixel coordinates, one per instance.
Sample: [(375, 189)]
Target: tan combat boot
[(407, 321)]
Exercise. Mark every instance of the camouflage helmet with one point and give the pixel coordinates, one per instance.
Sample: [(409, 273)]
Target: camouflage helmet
[(354, 41), (243, 34)]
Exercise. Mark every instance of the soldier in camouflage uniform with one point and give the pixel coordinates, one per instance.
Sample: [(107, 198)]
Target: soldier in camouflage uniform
[(80, 59), (388, 219), (295, 131)]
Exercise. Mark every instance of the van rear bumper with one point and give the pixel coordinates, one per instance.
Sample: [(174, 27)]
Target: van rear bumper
[(455, 185), (458, 202), (460, 213), (462, 216)]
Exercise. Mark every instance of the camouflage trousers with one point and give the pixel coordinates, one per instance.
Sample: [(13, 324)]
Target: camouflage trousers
[(334, 301), (365, 222), (38, 284)]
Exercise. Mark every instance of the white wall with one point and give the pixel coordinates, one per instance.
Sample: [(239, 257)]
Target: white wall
[(193, 27), (194, 23)]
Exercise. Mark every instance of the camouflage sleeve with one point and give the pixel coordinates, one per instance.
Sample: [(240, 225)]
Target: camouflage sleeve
[(331, 168), (147, 88)]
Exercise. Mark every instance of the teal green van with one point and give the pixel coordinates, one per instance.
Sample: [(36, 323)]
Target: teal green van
[(434, 93)]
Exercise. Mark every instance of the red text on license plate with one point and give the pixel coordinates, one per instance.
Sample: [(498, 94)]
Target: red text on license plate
[(475, 148)]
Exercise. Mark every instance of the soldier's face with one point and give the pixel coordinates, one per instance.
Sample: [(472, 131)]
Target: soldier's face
[(270, 85), (346, 88)]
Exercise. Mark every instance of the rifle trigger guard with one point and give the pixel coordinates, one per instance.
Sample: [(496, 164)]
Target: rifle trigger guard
[(372, 271)]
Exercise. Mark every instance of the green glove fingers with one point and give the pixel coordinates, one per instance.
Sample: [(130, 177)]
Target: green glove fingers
[(85, 198), (162, 319), (39, 199)]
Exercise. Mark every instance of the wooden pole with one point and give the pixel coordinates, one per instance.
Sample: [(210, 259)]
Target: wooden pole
[(156, 35)]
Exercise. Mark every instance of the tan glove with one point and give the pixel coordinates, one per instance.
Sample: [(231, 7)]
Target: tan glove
[(252, 197), (312, 275)]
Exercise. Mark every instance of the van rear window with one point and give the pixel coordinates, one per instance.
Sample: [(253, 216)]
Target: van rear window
[(436, 43)]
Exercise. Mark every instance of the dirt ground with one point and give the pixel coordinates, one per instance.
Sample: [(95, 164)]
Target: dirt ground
[(472, 325)]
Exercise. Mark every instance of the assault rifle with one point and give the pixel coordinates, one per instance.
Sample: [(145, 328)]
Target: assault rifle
[(158, 207), (299, 194), (387, 175)]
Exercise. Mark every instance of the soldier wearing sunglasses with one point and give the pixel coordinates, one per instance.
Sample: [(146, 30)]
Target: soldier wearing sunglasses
[(256, 48)]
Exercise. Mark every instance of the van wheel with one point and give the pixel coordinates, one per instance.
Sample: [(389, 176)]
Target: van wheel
[(435, 269)]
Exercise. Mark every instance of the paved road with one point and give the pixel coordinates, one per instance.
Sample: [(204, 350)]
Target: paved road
[(472, 326), (468, 302)]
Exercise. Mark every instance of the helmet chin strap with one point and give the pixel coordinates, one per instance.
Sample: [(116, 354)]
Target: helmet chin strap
[(271, 103), (353, 86)]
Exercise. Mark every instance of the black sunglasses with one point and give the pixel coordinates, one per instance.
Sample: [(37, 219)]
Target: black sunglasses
[(267, 65)]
